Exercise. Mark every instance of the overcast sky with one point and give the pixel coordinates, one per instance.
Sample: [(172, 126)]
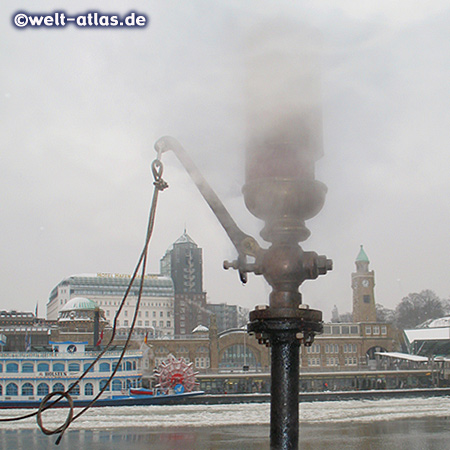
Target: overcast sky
[(81, 109)]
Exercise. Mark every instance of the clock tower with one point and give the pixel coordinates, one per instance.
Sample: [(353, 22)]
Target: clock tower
[(363, 283)]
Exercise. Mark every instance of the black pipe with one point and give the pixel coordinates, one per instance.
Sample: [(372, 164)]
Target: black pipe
[(284, 423)]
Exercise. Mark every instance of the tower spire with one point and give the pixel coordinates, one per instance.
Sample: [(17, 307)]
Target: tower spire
[(362, 255), (362, 261)]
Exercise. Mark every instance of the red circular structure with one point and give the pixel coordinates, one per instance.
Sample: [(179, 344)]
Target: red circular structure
[(174, 372)]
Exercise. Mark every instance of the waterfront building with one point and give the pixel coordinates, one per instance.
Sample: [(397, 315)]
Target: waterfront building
[(228, 316), (107, 290), (183, 263)]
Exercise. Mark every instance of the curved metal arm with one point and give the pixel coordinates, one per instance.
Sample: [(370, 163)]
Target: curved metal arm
[(245, 244)]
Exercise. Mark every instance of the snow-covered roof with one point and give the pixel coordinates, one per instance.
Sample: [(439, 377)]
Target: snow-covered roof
[(437, 323), (406, 356), (200, 329), (427, 334)]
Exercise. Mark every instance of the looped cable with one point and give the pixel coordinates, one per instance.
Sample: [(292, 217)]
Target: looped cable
[(157, 170), (43, 407)]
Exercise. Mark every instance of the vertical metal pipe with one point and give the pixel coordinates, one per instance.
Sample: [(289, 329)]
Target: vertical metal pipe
[(284, 424)]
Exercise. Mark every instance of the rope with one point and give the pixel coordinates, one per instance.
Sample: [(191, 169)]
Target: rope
[(159, 185)]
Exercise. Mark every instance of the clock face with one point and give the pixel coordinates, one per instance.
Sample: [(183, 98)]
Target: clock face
[(365, 283)]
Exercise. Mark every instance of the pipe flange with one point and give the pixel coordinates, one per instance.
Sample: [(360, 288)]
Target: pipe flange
[(285, 324)]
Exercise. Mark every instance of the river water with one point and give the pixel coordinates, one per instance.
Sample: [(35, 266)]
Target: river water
[(420, 423)]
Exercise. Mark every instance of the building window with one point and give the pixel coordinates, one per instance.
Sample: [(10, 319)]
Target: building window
[(354, 329), (58, 387), (104, 367), (116, 385), (147, 323), (366, 298), (88, 389), (368, 330), (384, 330), (27, 389), (12, 389), (103, 383), (43, 389), (168, 324), (12, 367), (161, 323), (237, 355), (125, 323), (75, 390), (314, 362), (376, 330), (139, 323), (202, 363), (27, 368), (332, 361), (74, 367), (161, 314), (43, 367)]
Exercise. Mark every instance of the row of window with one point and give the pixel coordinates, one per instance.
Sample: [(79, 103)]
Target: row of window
[(354, 329), (146, 323), (128, 303), (154, 291), (341, 329), (27, 389), (13, 367), (351, 361), (202, 363), (375, 330), (332, 348), (333, 361)]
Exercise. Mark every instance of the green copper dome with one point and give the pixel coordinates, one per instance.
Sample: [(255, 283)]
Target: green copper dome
[(80, 303), (362, 255)]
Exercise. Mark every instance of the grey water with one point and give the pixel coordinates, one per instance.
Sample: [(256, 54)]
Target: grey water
[(422, 423)]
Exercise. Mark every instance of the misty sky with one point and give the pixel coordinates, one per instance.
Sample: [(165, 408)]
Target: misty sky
[(81, 109)]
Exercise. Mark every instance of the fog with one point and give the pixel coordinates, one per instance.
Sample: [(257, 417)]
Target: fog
[(80, 110)]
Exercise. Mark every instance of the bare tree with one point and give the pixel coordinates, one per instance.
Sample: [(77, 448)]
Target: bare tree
[(415, 309), (385, 315)]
